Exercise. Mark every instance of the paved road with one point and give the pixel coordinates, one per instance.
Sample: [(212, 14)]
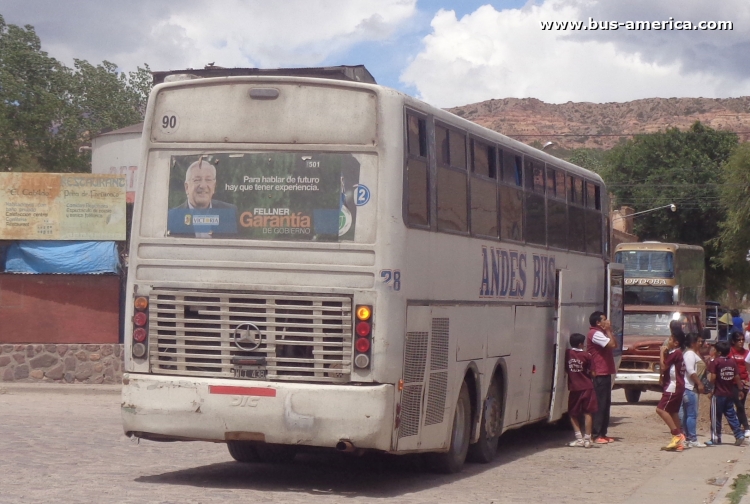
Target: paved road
[(69, 447)]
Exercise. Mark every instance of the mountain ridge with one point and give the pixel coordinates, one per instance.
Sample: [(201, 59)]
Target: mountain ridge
[(601, 126)]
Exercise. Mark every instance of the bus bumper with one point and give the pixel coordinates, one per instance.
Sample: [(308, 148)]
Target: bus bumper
[(177, 408)]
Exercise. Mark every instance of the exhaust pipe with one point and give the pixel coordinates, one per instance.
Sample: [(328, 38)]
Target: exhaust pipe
[(345, 446)]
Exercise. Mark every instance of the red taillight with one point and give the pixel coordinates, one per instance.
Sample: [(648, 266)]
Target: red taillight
[(139, 335), (140, 319), (362, 345), (363, 329)]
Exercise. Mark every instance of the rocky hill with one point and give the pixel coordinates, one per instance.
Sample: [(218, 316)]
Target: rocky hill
[(602, 125)]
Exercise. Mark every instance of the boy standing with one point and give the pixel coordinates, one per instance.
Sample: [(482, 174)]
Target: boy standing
[(582, 399), (725, 376), (673, 379), (600, 343)]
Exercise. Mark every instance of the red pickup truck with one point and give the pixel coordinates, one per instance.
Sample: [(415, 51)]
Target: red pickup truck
[(645, 330)]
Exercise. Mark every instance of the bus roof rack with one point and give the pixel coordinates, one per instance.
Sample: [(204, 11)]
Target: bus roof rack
[(355, 73)]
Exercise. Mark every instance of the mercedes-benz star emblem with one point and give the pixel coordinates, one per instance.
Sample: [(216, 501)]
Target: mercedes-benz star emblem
[(248, 334)]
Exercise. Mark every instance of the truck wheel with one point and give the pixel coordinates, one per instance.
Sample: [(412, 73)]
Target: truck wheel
[(485, 449), (242, 451), (632, 395), (452, 461)]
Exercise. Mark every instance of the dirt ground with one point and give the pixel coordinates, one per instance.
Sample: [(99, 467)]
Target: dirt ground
[(59, 447), (704, 407)]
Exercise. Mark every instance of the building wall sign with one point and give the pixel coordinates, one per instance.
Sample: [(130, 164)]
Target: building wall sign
[(62, 206)]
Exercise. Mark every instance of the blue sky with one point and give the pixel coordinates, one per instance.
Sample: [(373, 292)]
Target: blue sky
[(446, 52)]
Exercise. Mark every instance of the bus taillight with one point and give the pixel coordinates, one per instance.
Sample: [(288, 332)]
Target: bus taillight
[(140, 331), (363, 330)]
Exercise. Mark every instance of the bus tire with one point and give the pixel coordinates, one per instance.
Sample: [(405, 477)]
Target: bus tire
[(275, 453), (632, 395), (485, 449), (453, 460), (242, 451)]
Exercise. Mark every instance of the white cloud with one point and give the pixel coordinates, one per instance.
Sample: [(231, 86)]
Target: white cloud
[(497, 54), (172, 35)]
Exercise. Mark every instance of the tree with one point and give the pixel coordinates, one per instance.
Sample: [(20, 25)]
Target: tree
[(733, 242), (591, 159), (47, 111), (32, 98), (680, 167)]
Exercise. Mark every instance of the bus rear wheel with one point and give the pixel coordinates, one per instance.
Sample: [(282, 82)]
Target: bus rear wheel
[(242, 451), (453, 460), (485, 449), (632, 395)]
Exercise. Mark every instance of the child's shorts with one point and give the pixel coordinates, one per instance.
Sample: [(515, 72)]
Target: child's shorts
[(582, 401), (670, 402)]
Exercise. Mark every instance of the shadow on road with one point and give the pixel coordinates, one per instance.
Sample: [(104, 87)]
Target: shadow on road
[(372, 475)]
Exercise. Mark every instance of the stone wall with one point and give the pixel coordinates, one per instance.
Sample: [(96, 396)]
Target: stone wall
[(74, 363)]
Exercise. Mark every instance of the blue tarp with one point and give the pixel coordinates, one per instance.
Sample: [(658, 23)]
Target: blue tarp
[(71, 257)]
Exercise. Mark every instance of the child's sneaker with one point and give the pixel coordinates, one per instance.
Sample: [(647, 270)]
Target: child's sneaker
[(747, 433), (587, 443), (696, 444), (739, 441), (672, 446), (578, 442), (601, 440)]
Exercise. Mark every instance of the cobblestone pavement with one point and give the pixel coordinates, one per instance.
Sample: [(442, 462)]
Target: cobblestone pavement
[(69, 447)]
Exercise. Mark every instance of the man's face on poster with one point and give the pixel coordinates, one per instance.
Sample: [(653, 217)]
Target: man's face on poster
[(200, 184)]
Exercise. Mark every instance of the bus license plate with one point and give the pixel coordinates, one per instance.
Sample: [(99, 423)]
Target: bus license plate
[(250, 372)]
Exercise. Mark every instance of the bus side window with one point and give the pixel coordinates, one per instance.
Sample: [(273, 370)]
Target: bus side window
[(557, 210), (417, 136), (484, 220), (536, 212), (592, 196), (511, 197), (576, 217), (594, 234), (452, 190), (417, 173)]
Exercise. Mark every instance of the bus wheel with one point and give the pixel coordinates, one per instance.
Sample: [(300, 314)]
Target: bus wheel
[(275, 453), (485, 449), (452, 461), (632, 395), (242, 451)]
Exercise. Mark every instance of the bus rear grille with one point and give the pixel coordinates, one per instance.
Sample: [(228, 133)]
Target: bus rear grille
[(306, 338)]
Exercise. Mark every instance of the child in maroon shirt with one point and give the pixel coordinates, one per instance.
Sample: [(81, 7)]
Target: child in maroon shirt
[(673, 380), (738, 352), (582, 399), (725, 375)]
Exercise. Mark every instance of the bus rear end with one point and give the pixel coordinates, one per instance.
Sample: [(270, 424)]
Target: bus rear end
[(252, 267)]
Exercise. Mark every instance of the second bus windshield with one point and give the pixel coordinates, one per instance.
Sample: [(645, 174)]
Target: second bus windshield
[(646, 263)]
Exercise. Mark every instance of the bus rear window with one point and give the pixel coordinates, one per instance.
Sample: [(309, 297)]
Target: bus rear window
[(263, 196)]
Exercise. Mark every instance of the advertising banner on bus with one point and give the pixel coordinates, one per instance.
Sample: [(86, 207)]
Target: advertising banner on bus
[(62, 206), (264, 196)]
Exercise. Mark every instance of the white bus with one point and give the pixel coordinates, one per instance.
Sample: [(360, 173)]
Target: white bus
[(325, 263)]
